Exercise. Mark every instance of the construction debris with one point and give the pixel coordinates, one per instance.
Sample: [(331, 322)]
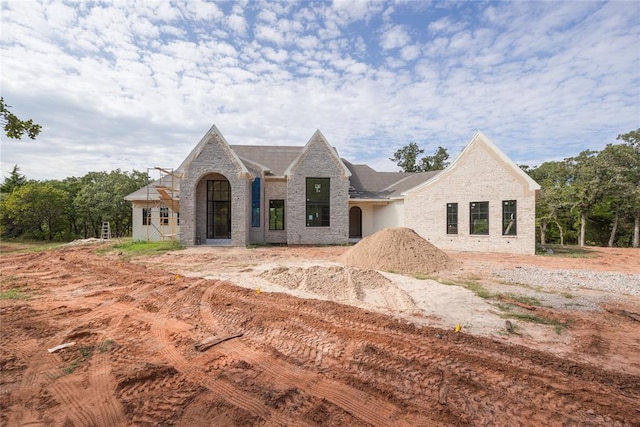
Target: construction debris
[(210, 342), (60, 347)]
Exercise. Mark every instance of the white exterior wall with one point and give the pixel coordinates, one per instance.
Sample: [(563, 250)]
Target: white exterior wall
[(480, 174), (391, 215), (156, 231)]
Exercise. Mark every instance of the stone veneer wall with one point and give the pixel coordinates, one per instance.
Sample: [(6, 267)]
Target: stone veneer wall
[(215, 158), (318, 162), (481, 175)]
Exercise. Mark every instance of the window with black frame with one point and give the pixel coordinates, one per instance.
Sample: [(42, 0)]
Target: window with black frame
[(479, 218), (146, 216), (318, 202), (276, 214), (509, 218), (452, 218)]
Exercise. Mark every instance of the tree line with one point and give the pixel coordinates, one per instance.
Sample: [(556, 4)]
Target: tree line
[(63, 210), (590, 199)]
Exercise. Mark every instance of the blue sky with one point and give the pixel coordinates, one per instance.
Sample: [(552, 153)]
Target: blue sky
[(133, 85)]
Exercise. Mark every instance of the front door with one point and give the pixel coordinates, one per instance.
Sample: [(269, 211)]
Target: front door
[(355, 223), (218, 209)]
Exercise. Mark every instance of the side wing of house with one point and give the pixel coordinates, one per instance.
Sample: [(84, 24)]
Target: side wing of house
[(215, 194), (156, 210), (317, 195), (482, 202)]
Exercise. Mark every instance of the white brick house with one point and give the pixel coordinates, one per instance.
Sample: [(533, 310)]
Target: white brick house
[(242, 194)]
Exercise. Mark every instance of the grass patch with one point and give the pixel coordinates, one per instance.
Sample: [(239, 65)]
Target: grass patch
[(474, 287), (421, 276), (134, 248), (478, 289), (526, 317), (21, 246), (106, 346), (85, 354), (568, 296), (524, 299), (14, 294), (567, 251)]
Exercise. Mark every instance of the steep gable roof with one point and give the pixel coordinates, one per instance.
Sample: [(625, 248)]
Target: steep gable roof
[(480, 139), (318, 138), (213, 134)]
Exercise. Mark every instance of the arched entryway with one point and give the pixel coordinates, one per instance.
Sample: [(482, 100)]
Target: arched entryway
[(218, 209), (355, 223)]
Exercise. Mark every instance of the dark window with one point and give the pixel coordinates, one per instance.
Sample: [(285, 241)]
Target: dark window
[(318, 202), (218, 209), (479, 218), (509, 218), (146, 216), (255, 203), (164, 215), (276, 214), (452, 218)]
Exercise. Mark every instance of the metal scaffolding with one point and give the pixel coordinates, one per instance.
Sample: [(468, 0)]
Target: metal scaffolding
[(162, 213)]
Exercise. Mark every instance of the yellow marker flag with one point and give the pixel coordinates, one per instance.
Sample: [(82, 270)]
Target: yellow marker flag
[(457, 329), (177, 277), (119, 265), (258, 291)]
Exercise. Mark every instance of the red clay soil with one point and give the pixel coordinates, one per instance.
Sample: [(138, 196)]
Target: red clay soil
[(298, 362)]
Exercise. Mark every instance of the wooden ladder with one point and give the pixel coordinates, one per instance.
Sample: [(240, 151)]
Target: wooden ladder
[(106, 231)]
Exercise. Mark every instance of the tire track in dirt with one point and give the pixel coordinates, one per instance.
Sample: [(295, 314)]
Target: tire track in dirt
[(221, 387), (351, 400)]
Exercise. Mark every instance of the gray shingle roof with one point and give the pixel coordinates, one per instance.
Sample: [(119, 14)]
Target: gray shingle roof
[(366, 183)]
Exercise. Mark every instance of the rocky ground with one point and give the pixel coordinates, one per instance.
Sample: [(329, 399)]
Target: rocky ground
[(381, 349)]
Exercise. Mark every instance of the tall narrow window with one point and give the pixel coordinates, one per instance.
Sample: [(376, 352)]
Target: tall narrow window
[(146, 216), (164, 215), (318, 202), (509, 218), (255, 203), (479, 218), (452, 218), (276, 214)]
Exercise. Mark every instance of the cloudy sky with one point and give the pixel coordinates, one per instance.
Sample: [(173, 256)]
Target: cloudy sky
[(136, 84)]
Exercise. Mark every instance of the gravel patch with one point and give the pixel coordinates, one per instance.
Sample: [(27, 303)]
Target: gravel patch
[(572, 280)]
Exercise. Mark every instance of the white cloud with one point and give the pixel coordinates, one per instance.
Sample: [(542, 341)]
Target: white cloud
[(395, 37), (134, 85)]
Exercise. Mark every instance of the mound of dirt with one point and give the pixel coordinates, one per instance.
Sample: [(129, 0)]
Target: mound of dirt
[(397, 250), (348, 285)]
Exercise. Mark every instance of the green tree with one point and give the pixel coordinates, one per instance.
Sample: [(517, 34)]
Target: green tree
[(14, 127), (632, 138), (436, 162), (37, 210), (553, 204), (619, 171), (407, 159), (101, 198), (586, 189), (13, 181)]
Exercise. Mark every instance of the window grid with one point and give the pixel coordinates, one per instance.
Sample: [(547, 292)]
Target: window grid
[(509, 218), (318, 202), (276, 214), (452, 218), (164, 215), (479, 218)]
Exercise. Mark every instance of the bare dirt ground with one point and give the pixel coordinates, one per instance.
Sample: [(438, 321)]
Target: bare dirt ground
[(380, 349)]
